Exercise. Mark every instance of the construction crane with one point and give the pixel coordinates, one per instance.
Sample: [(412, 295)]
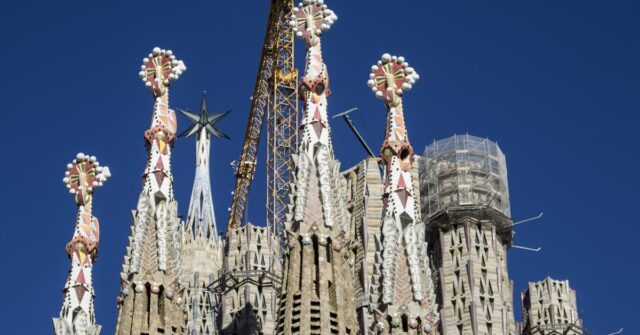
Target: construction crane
[(276, 95)]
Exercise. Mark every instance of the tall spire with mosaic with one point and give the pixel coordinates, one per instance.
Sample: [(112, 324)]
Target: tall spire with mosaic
[(316, 295), (150, 299), (407, 301), (77, 316)]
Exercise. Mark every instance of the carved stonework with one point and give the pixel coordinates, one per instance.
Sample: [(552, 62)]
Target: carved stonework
[(316, 294), (150, 300), (406, 302), (549, 307)]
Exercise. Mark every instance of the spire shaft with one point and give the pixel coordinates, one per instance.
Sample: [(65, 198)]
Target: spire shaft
[(317, 272), (407, 292), (77, 315), (151, 270)]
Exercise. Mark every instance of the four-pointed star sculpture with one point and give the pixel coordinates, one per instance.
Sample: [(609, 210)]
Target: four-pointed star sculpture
[(204, 120)]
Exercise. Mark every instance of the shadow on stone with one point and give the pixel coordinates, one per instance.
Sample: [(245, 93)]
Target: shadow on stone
[(245, 322)]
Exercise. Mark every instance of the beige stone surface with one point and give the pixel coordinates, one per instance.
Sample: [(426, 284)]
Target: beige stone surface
[(549, 307), (251, 281)]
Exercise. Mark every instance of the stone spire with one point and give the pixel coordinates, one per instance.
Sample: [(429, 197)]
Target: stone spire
[(201, 221), (407, 300), (201, 256), (316, 295), (77, 316), (150, 298)]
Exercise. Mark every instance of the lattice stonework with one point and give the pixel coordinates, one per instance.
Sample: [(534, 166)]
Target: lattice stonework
[(250, 282), (316, 294), (150, 300), (77, 316), (465, 204), (549, 307)]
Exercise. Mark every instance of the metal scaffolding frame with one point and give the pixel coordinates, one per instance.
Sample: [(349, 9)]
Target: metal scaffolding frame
[(464, 170)]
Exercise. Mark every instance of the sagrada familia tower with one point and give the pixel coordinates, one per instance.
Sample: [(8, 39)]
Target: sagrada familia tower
[(397, 244), (77, 315), (315, 296), (150, 301)]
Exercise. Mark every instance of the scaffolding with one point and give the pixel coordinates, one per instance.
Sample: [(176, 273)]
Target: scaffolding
[(464, 171)]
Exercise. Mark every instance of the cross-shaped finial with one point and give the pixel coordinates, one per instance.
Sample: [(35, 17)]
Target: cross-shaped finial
[(391, 77), (310, 19), (159, 68), (84, 174)]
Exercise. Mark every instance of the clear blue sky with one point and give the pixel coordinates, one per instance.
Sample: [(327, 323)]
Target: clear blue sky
[(556, 83)]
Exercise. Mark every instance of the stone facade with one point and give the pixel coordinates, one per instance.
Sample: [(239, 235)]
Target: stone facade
[(363, 198), (363, 189), (249, 286), (549, 308)]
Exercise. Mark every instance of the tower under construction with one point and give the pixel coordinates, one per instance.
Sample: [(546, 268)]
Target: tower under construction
[(466, 207)]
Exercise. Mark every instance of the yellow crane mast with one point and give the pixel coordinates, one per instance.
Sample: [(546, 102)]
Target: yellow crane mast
[(275, 94)]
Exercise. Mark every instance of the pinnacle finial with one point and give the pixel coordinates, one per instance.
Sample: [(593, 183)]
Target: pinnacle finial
[(159, 68), (84, 174), (310, 19), (204, 120), (390, 77)]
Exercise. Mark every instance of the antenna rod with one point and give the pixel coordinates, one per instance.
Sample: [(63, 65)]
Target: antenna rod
[(527, 220), (345, 116), (526, 248)]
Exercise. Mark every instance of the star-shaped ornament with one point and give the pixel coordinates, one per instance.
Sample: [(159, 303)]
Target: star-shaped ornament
[(204, 120)]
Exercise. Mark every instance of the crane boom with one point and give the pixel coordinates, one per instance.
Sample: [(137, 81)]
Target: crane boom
[(275, 92)]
